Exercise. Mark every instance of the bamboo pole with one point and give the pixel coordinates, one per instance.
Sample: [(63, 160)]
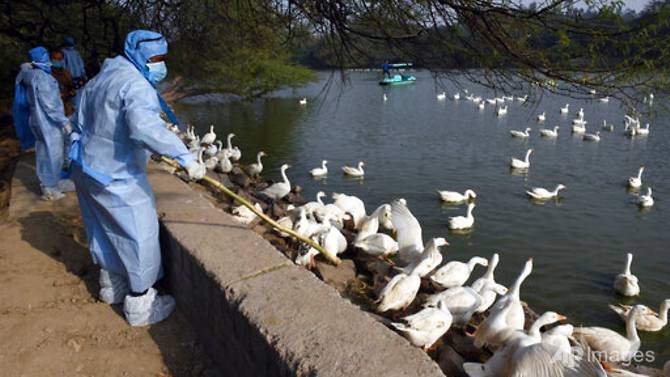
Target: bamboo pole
[(332, 258)]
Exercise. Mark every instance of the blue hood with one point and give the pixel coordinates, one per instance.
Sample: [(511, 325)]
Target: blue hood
[(143, 44)]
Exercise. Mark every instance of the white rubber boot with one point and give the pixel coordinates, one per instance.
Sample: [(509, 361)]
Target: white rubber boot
[(52, 193), (66, 185), (113, 287), (148, 309)]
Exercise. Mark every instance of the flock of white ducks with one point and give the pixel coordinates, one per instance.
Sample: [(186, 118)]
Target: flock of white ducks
[(516, 352)]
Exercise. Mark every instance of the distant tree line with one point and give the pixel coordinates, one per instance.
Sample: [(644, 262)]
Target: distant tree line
[(251, 47)]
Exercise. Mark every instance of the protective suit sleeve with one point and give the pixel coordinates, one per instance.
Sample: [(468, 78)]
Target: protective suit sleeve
[(47, 96), (145, 126)]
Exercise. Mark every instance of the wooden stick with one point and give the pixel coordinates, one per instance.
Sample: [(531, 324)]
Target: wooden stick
[(332, 258)]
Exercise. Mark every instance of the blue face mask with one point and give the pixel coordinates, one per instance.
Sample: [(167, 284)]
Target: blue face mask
[(157, 72), (57, 63)]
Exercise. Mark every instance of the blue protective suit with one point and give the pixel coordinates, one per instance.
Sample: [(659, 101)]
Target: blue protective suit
[(21, 110), (120, 125), (46, 117), (73, 61)]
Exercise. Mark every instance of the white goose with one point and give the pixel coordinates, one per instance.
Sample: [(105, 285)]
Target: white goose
[(408, 231), (500, 111), (646, 201), (280, 189), (579, 128), (430, 258), (542, 117), (607, 126), (491, 101), (378, 244), (463, 222), (244, 215), (580, 114), (455, 273), (521, 134), (214, 148), (605, 99), (592, 137), (442, 96), (506, 313), (648, 320), (539, 193), (457, 96), (399, 292), (456, 197), (314, 206), (486, 285), (522, 99), (528, 354), (636, 182), (209, 137), (224, 165), (643, 131), (384, 97), (256, 168), (303, 101), (613, 345), (424, 328), (354, 172), (369, 225), (462, 303), (321, 171), (521, 164), (566, 109), (352, 205), (626, 284), (481, 106), (549, 133)]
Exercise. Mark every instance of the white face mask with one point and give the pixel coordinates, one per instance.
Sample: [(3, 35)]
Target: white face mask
[(157, 72)]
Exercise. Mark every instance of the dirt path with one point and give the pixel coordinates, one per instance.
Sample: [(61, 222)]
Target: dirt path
[(51, 323)]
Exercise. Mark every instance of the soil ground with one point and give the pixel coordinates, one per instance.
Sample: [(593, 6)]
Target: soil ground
[(51, 322)]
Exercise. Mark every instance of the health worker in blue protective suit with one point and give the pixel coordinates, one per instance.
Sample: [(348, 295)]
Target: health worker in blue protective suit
[(75, 64), (118, 126), (40, 95)]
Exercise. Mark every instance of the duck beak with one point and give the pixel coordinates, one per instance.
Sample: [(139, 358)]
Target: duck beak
[(562, 318)]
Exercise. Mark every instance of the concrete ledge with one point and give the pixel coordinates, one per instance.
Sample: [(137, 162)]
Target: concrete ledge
[(255, 311)]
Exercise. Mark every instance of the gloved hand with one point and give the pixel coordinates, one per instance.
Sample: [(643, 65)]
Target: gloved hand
[(67, 129), (196, 170)]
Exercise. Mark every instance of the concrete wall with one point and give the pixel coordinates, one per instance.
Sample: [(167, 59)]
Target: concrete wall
[(255, 311)]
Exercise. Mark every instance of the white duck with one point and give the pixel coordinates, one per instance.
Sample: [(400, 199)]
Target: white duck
[(491, 101), (522, 99), (244, 215), (256, 168), (280, 189), (224, 165), (539, 193), (481, 106), (506, 313), (303, 101), (321, 171), (442, 96), (352, 205), (463, 222), (457, 96), (521, 164), (354, 172), (430, 258), (592, 137), (314, 206), (209, 137), (370, 224), (615, 346), (636, 182), (424, 328), (580, 114), (646, 201), (542, 117), (566, 109), (213, 148), (378, 244), (456, 197), (549, 133), (408, 231), (605, 99), (455, 273), (521, 134), (500, 111), (648, 320), (399, 292), (333, 241), (626, 284)]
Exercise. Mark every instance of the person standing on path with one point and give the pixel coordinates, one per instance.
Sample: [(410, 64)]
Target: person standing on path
[(73, 62), (64, 78), (117, 126), (39, 93)]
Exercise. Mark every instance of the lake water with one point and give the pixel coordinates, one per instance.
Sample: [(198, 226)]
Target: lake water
[(414, 144)]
